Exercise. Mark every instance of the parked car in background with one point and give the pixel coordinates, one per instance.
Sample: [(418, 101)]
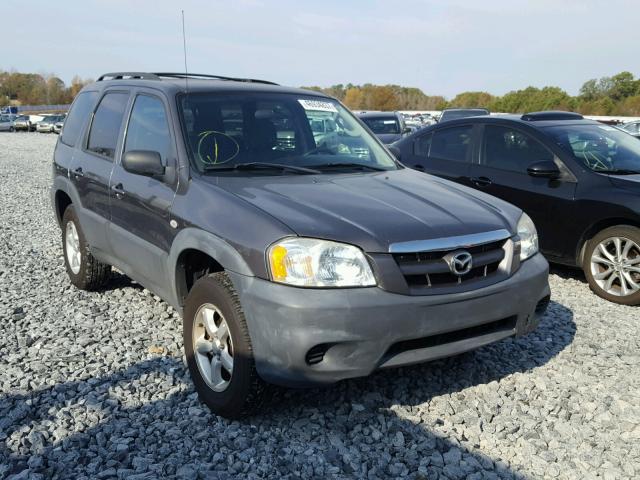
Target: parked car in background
[(22, 122), (632, 128), (33, 121), (387, 126), (57, 127), (47, 125), (455, 113), (7, 123), (579, 181), (296, 264)]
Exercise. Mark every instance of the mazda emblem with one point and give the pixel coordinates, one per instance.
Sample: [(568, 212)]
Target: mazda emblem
[(460, 262)]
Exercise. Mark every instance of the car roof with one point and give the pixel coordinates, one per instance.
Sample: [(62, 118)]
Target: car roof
[(173, 83), (502, 118)]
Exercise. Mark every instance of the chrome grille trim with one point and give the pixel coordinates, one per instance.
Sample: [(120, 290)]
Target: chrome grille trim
[(449, 243)]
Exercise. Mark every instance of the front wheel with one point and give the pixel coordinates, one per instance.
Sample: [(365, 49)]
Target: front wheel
[(612, 264), (218, 348)]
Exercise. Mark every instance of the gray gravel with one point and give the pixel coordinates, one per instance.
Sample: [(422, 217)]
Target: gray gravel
[(93, 385)]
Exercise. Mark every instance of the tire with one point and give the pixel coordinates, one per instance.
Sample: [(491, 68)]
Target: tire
[(84, 271), (624, 265), (11, 129), (242, 392)]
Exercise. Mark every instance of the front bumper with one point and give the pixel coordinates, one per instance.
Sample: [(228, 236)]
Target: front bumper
[(302, 337)]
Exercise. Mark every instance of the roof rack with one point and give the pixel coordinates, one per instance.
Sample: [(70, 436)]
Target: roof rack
[(159, 76), (217, 77), (551, 115), (128, 76)]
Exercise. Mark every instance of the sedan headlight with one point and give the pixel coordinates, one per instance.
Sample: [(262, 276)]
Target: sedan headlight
[(528, 237), (310, 262)]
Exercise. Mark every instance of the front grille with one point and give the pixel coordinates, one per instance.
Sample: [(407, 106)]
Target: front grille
[(428, 271)]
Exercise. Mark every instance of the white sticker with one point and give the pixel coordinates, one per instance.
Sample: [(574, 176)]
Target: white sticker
[(389, 122), (317, 105)]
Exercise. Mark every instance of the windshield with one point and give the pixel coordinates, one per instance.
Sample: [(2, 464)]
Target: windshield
[(229, 130), (599, 147), (381, 125)]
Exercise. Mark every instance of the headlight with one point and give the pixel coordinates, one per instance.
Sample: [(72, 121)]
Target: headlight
[(528, 237), (309, 262)]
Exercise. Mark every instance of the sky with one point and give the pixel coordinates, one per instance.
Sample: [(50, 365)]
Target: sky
[(442, 47)]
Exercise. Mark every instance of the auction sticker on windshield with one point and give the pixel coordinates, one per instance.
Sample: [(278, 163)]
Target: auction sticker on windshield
[(318, 105)]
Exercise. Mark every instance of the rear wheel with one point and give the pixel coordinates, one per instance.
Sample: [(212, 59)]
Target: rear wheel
[(612, 264), (84, 271), (218, 348)]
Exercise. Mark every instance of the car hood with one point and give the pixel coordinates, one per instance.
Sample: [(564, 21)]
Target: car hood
[(628, 182), (373, 210)]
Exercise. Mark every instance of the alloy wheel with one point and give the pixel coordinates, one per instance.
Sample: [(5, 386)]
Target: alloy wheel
[(72, 245), (213, 347), (615, 266)]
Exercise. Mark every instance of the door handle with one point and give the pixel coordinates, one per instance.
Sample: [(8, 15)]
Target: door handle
[(78, 173), (481, 181), (118, 190)]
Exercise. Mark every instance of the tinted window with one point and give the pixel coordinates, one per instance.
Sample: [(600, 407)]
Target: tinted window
[(77, 117), (148, 127), (105, 127), (422, 145), (381, 125), (510, 149), (451, 143)]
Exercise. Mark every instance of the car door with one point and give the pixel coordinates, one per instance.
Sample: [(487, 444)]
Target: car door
[(505, 154), (92, 165), (445, 152), (140, 229)]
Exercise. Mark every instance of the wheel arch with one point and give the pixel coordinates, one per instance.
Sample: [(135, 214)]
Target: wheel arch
[(596, 228), (195, 253)]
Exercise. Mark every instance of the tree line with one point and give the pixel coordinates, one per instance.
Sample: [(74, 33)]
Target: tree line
[(616, 95), (36, 89)]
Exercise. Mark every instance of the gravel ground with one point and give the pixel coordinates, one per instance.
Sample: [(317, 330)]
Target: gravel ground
[(93, 385)]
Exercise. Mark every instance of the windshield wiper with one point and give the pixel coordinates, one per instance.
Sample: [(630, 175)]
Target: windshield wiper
[(619, 171), (349, 165), (261, 165)]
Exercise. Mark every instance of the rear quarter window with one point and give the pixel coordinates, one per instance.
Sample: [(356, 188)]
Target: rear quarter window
[(77, 118)]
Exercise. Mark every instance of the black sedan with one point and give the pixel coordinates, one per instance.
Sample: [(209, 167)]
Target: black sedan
[(579, 180)]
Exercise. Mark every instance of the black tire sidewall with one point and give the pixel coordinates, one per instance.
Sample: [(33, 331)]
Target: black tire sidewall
[(79, 279), (626, 231), (231, 401)]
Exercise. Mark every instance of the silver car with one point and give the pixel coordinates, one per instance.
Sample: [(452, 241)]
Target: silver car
[(47, 125), (6, 123)]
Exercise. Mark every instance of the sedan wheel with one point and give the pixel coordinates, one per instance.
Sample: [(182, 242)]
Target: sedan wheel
[(612, 264), (615, 266)]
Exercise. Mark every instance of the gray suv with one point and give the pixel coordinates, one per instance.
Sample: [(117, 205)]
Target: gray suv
[(294, 260)]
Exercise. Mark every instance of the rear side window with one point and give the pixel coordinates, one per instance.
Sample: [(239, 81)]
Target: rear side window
[(105, 127), (422, 145), (77, 117), (451, 143), (148, 127), (509, 149)]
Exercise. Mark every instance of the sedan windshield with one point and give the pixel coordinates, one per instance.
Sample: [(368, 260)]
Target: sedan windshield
[(382, 125), (599, 147), (240, 133)]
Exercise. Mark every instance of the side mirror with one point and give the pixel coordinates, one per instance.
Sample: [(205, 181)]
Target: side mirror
[(406, 130), (143, 162), (395, 151), (544, 169)]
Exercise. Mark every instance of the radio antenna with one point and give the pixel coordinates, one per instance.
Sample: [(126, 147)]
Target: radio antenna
[(184, 48)]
